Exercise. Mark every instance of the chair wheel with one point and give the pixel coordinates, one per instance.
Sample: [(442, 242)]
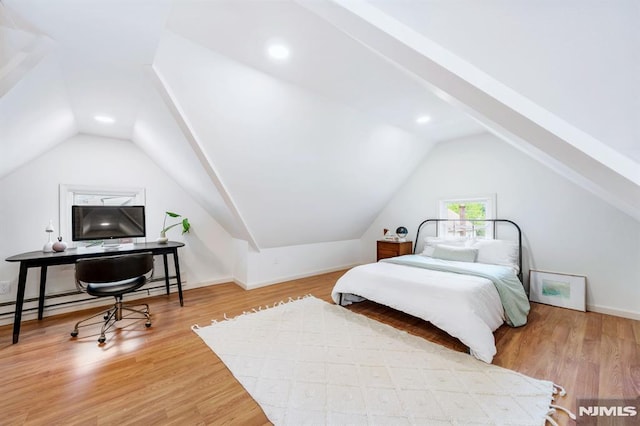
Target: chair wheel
[(74, 333), (102, 339)]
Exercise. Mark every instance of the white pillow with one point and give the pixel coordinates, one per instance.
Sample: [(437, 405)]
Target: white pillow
[(432, 242), (497, 252), (459, 254)]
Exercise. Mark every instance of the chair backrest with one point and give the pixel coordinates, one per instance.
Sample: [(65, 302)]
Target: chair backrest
[(112, 268)]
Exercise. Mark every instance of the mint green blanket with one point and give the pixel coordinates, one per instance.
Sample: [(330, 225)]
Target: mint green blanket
[(512, 295)]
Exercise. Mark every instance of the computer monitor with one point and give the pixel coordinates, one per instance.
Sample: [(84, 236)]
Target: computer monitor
[(90, 223)]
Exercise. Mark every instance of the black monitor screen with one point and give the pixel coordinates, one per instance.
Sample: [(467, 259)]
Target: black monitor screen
[(107, 222)]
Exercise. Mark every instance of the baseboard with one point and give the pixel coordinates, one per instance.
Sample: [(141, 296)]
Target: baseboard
[(78, 305), (613, 311), (208, 283), (291, 277)]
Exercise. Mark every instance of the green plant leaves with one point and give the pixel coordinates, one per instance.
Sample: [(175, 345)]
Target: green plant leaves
[(186, 226)]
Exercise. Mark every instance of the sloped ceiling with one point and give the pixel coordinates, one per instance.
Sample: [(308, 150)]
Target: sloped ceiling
[(597, 166), (560, 55), (339, 118), (31, 91), (310, 149), (300, 168)]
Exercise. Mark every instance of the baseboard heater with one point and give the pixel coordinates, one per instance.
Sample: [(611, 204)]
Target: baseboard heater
[(76, 292)]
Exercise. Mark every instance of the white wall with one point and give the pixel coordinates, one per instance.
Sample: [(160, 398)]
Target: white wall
[(280, 264), (29, 198), (565, 228)]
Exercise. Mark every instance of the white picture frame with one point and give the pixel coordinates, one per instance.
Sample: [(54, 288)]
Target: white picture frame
[(557, 289)]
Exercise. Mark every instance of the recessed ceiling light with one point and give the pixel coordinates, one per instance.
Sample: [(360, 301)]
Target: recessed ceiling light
[(423, 119), (104, 119), (278, 51)]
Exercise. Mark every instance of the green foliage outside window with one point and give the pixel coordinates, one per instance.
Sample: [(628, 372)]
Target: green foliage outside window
[(472, 211)]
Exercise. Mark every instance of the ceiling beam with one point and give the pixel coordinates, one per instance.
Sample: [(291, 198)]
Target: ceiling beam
[(187, 129)]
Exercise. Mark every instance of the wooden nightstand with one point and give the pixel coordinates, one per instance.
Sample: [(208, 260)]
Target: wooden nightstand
[(393, 248)]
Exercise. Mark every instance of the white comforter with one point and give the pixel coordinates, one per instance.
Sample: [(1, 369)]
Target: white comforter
[(466, 307)]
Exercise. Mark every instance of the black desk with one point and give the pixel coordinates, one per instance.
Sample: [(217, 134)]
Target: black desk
[(43, 260)]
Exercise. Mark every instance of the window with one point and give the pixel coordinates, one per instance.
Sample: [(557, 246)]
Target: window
[(93, 196), (467, 216)]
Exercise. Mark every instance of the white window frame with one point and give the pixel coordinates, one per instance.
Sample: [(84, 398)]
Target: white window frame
[(490, 211), (67, 196)]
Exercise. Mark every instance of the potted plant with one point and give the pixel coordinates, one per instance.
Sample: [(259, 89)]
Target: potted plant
[(186, 226)]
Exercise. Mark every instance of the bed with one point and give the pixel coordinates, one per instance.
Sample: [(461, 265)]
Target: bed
[(464, 285)]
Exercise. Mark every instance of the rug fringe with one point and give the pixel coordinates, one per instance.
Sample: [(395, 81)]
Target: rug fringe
[(255, 310), (569, 413), (553, 408), (560, 389), (549, 419)]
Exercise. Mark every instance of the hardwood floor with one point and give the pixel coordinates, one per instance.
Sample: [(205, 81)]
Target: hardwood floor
[(167, 375)]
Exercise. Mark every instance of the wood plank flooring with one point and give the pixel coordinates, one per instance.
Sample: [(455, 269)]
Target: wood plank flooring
[(167, 375)]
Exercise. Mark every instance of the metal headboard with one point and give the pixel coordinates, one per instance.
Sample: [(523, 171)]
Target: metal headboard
[(495, 234)]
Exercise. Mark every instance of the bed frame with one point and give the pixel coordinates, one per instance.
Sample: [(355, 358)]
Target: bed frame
[(495, 222)]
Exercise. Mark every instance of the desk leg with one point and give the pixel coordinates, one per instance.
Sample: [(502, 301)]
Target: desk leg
[(166, 271), (175, 260), (43, 280), (22, 283)]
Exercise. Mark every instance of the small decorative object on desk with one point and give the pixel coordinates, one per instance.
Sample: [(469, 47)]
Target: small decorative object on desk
[(401, 232), (48, 247), (59, 245), (186, 226)]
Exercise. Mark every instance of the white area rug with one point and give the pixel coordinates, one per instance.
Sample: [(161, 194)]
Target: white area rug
[(311, 362)]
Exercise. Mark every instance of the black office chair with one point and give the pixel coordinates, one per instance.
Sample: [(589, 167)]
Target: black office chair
[(114, 276)]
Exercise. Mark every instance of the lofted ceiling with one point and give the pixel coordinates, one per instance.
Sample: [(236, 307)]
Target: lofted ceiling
[(324, 60), (266, 146)]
